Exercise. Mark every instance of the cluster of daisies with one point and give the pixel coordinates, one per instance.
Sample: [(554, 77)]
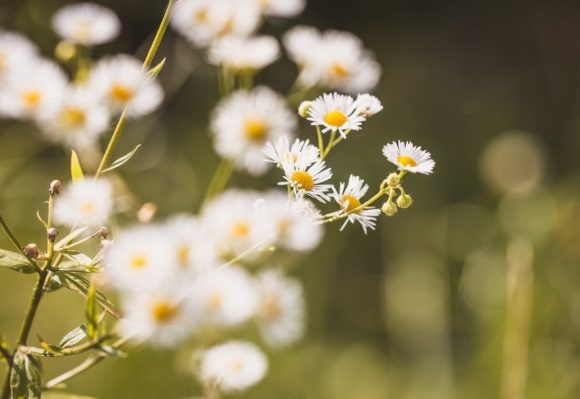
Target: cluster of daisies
[(73, 103), (192, 275)]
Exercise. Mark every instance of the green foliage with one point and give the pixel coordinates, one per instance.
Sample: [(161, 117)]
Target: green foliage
[(81, 285), (16, 262), (123, 159), (25, 378)]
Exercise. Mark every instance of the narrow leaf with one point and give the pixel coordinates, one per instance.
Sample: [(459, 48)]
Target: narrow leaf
[(76, 171), (81, 285), (41, 219), (25, 379), (69, 237), (122, 160), (73, 337), (91, 312), (64, 395), (111, 351), (15, 261), (52, 349), (77, 257), (153, 72)]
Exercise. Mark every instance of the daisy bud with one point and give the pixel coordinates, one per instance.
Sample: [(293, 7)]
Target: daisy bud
[(303, 108), (65, 51), (55, 187), (51, 233), (31, 250), (389, 208), (103, 232), (404, 201), (393, 180)]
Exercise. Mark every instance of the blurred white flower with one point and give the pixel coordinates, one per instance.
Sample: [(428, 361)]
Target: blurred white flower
[(162, 318), (120, 82), (86, 23), (409, 157), (332, 59), (349, 198), (280, 315), (243, 122), (368, 105), (35, 90), (235, 365), (202, 21), (307, 180), (280, 151), (225, 297), (238, 53), (281, 8), (335, 112), (85, 202), (16, 52), (79, 120)]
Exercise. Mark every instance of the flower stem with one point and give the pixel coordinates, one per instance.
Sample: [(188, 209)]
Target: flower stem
[(15, 242), (219, 180)]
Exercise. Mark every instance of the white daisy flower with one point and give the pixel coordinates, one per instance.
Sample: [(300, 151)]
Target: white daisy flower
[(335, 112), (409, 157), (280, 315), (307, 180), (244, 121), (140, 258), (368, 105), (86, 23), (349, 198), (301, 150), (333, 59), (282, 8), (238, 53), (297, 230), (225, 297), (35, 90), (120, 82), (79, 120), (236, 227), (202, 21), (161, 318), (86, 202), (234, 366), (16, 52)]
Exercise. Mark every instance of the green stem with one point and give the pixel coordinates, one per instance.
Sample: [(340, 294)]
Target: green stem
[(146, 64), (15, 242), (219, 180), (334, 217), (320, 142), (75, 350)]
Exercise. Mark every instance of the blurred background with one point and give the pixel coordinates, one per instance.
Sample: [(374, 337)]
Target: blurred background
[(472, 293)]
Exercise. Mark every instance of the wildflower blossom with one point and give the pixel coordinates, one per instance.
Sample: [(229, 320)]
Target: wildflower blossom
[(280, 315), (307, 180), (368, 105), (349, 198), (235, 365), (243, 122), (16, 52), (86, 23), (86, 202), (281, 8), (120, 82), (409, 157), (301, 150), (335, 112), (244, 53)]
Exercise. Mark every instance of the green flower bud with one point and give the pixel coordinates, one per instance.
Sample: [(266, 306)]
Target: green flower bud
[(389, 208), (404, 201), (393, 180), (304, 108)]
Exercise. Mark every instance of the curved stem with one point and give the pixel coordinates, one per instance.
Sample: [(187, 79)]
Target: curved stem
[(219, 180)]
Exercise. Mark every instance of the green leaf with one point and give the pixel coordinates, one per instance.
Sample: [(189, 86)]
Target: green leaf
[(52, 349), (153, 72), (77, 257), (81, 285), (75, 336), (111, 351), (69, 238), (122, 160), (41, 219), (64, 395), (76, 171), (91, 312), (16, 261), (25, 379)]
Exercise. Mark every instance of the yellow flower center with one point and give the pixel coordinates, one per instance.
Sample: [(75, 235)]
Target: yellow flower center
[(88, 208), (138, 261), (121, 93), (31, 98), (302, 180), (335, 118), (163, 312), (237, 365), (215, 301), (271, 308), (255, 129), (82, 31), (240, 229), (351, 203), (283, 226), (72, 117), (406, 161), (201, 15), (183, 255), (339, 70)]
